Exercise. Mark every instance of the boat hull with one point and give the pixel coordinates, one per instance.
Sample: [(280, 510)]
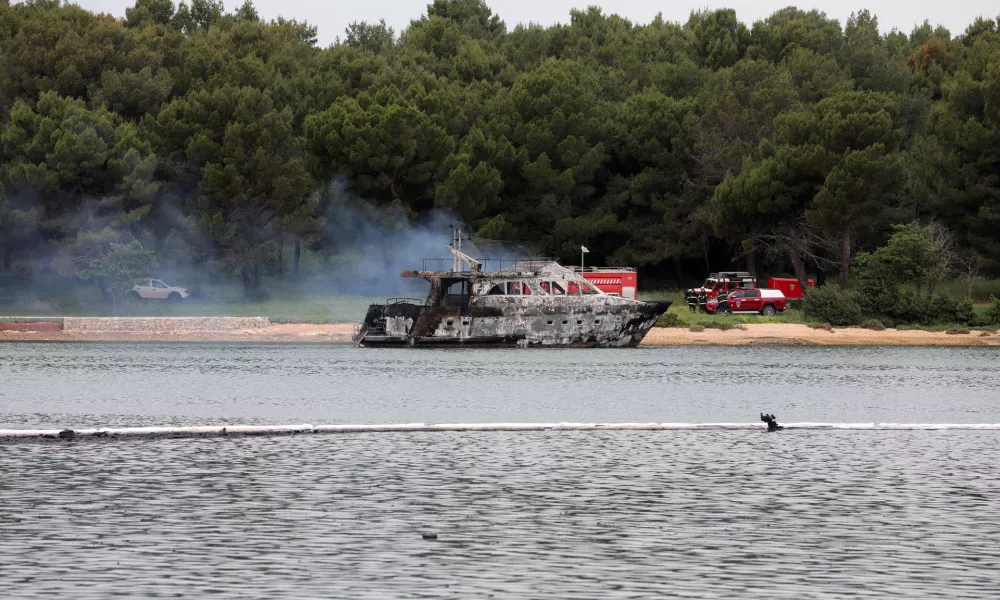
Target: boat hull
[(617, 325)]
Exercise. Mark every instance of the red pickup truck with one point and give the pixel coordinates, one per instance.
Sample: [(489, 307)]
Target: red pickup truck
[(765, 302)]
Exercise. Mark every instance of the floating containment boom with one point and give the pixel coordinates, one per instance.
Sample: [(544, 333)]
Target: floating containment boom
[(220, 430)]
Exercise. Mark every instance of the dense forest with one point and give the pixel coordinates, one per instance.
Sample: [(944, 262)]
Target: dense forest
[(219, 140)]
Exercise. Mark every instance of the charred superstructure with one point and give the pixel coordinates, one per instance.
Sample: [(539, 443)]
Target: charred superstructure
[(528, 303)]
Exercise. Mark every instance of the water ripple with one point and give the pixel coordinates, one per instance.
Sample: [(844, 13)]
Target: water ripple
[(97, 385), (568, 515), (820, 514)]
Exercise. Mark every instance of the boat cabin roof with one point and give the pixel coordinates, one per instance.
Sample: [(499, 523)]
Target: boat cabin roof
[(521, 270)]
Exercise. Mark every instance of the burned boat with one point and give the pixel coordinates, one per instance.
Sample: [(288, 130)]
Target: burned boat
[(528, 303)]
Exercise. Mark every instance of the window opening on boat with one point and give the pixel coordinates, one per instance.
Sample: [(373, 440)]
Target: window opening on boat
[(518, 288), (553, 288), (457, 296), (497, 290), (581, 287)]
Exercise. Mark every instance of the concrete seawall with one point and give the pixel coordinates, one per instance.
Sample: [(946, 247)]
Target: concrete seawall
[(163, 324)]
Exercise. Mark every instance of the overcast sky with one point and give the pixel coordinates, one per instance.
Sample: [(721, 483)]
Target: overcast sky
[(332, 16)]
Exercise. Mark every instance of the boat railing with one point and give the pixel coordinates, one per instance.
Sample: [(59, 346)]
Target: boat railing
[(528, 266), (404, 301), (445, 265), (603, 269)]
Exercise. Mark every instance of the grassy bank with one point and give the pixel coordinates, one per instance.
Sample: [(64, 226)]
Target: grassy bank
[(289, 304), (679, 315), (981, 290), (292, 307)]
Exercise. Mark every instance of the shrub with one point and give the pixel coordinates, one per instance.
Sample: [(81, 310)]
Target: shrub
[(942, 309), (911, 308), (964, 311), (823, 326), (985, 334), (697, 328), (993, 312), (980, 321), (669, 320), (874, 325), (881, 301), (957, 330), (832, 306)]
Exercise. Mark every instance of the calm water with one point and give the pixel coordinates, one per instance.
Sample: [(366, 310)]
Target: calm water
[(121, 384), (546, 514)]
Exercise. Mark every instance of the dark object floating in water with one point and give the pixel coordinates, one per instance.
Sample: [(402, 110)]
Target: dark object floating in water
[(67, 434), (429, 536), (772, 425)]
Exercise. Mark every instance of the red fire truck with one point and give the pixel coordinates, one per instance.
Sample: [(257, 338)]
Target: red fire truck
[(765, 302), (624, 282), (790, 287), (731, 281), (619, 281), (726, 281)]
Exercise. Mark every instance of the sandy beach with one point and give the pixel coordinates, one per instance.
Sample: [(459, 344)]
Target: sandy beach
[(769, 334), (789, 334)]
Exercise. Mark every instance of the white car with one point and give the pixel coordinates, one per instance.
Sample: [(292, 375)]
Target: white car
[(154, 289)]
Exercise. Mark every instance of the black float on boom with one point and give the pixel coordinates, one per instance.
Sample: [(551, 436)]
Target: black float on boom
[(772, 425)]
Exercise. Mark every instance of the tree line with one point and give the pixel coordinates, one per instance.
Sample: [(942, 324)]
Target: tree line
[(212, 137)]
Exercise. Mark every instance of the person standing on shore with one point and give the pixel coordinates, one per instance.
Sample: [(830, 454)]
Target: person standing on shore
[(692, 300)]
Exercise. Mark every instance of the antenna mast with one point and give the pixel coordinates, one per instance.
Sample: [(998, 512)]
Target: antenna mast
[(457, 256)]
